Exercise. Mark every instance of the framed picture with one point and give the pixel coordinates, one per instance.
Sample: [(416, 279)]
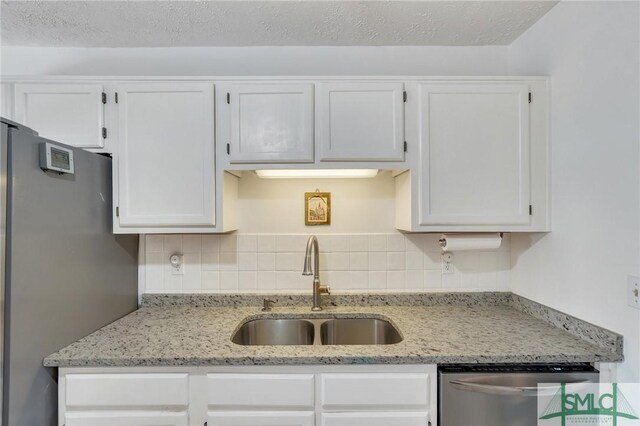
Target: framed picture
[(317, 208)]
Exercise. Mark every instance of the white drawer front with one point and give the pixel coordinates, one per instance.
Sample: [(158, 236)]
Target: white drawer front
[(126, 418), (260, 418), (375, 419), (375, 391), (127, 390), (260, 391)]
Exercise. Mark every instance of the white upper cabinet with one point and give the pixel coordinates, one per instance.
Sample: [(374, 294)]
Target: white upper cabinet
[(360, 121), (165, 155), (475, 156), (72, 114), (270, 122)]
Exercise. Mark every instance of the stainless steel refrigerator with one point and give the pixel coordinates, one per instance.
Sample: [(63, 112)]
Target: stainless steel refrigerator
[(64, 274)]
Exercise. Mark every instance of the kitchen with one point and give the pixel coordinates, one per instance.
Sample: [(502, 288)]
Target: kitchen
[(470, 170)]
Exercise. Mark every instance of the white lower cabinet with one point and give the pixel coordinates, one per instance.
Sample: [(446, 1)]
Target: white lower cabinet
[(261, 418), (322, 395), (376, 419), (124, 418)]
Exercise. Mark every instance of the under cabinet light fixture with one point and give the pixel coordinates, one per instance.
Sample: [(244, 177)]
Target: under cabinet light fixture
[(317, 173)]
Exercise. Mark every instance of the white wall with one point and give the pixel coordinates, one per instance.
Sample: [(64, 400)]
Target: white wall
[(401, 60), (277, 205), (591, 52)]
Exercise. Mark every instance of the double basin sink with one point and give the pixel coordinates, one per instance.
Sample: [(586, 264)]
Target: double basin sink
[(312, 331)]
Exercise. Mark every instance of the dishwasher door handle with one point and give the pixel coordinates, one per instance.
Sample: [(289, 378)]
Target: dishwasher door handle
[(508, 390)]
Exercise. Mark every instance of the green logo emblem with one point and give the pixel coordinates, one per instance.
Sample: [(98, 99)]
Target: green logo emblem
[(613, 405)]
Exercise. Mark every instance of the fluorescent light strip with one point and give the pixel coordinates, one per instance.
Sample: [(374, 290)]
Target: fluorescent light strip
[(317, 173)]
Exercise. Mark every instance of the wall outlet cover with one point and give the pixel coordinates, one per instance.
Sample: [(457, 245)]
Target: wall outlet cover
[(633, 291)]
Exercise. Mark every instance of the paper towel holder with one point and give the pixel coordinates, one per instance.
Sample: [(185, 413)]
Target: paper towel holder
[(443, 242)]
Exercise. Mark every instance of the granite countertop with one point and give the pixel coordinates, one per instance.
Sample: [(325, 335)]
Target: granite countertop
[(506, 329)]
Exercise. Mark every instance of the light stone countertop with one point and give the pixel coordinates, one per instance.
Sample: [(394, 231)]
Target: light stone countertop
[(184, 335)]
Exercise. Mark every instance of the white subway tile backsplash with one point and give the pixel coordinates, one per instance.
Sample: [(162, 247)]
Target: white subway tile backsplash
[(210, 261), (395, 242), (228, 280), (396, 261), (432, 279), (359, 261), (414, 280), (377, 242), (229, 243), (210, 281), (289, 261), (154, 243), (172, 243), (228, 261), (210, 243), (192, 261), (266, 281), (433, 260), (415, 261), (154, 271), (377, 280), (247, 243), (359, 243), (192, 243), (337, 261), (248, 261), (348, 262), (266, 261), (358, 280), (396, 280), (266, 243), (247, 280), (377, 261), (192, 281)]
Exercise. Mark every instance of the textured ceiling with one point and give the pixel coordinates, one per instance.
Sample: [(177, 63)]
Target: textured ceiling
[(266, 23)]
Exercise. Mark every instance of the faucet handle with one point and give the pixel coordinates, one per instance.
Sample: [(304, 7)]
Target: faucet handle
[(267, 304), (324, 289)]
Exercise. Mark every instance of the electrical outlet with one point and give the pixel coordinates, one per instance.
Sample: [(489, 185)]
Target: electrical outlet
[(177, 264), (633, 291), (447, 263)]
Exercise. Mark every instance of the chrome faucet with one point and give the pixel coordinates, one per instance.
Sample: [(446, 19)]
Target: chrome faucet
[(318, 289)]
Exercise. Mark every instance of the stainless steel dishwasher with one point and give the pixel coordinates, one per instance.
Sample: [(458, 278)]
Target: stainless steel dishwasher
[(499, 395)]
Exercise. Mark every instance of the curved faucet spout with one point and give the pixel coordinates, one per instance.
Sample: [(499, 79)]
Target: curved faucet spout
[(318, 289), (312, 245)]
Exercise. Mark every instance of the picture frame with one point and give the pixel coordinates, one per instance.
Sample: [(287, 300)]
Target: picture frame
[(317, 208)]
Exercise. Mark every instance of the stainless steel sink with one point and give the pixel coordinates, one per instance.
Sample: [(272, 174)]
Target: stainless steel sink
[(358, 331), (275, 332), (317, 331)]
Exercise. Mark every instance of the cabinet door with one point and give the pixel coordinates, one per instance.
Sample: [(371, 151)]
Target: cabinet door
[(126, 418), (361, 121), (166, 154), (72, 114), (475, 154), (261, 418), (270, 123), (375, 419)]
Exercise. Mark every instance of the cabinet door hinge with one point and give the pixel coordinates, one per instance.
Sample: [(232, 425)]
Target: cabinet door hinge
[(117, 211), (530, 210), (104, 133), (404, 96), (116, 97), (405, 146), (104, 98), (529, 97), (228, 97), (228, 149)]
